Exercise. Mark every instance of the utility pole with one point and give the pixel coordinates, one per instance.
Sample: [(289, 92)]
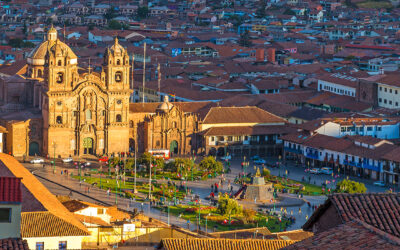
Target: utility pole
[(144, 71)]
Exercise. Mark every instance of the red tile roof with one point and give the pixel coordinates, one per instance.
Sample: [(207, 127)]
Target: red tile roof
[(351, 235), (380, 210), (13, 243), (10, 189)]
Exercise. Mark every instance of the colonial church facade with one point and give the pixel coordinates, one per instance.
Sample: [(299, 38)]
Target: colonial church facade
[(52, 107), (87, 113)]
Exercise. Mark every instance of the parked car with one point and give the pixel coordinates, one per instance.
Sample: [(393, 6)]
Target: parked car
[(103, 159), (255, 157), (380, 183), (67, 160), (260, 161), (226, 157), (37, 161), (315, 171), (328, 171)]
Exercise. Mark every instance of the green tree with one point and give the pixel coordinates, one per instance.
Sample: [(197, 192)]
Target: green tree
[(236, 20), (146, 158), (248, 215), (288, 11), (114, 25), (183, 166), (228, 206), (351, 187), (110, 14), (245, 39), (260, 12), (266, 172), (16, 42), (211, 165), (142, 12)]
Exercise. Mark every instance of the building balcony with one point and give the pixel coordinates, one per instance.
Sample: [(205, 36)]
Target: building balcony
[(352, 163), (293, 150), (371, 167), (312, 155)]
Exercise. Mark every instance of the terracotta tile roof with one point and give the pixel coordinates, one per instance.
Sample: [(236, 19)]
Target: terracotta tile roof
[(223, 244), (74, 205), (380, 210), (117, 215), (351, 235), (10, 189), (261, 233), (91, 220), (249, 130), (240, 115), (13, 244), (38, 199), (46, 224)]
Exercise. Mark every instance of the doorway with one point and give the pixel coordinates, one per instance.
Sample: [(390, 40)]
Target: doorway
[(88, 146), (173, 148)]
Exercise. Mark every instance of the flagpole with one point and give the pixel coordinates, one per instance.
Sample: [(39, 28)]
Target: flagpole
[(144, 70), (132, 81), (159, 80)]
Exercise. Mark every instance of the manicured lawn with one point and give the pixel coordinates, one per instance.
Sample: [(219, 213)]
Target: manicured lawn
[(214, 220), (381, 4), (142, 187), (293, 186)]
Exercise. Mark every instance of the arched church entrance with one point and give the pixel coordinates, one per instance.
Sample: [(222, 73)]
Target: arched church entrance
[(131, 145), (33, 148), (88, 146), (173, 147)]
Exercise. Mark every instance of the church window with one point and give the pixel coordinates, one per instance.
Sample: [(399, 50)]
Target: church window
[(88, 115), (118, 76), (60, 77), (131, 124), (39, 73), (59, 63), (157, 143), (104, 113), (174, 124), (118, 62), (59, 120), (119, 118), (119, 101), (59, 103)]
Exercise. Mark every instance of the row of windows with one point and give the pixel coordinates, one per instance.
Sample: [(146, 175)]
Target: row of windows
[(386, 90), (388, 101), (62, 245), (59, 119), (337, 90), (233, 138), (359, 128)]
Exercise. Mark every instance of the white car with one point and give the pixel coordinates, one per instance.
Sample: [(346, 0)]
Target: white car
[(328, 171), (37, 161), (260, 161), (226, 158), (67, 160), (379, 183), (315, 171), (87, 164)]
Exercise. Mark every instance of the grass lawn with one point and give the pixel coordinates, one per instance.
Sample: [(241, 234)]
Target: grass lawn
[(214, 220), (141, 187), (381, 4), (292, 186)]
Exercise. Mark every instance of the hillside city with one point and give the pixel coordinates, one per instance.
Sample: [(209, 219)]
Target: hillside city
[(199, 124)]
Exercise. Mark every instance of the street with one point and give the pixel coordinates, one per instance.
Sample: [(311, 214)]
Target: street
[(63, 185)]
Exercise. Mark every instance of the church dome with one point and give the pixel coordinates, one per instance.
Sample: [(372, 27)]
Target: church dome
[(117, 48), (165, 106), (37, 56)]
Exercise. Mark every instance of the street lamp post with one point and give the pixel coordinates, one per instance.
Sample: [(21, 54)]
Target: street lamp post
[(199, 215), (54, 161), (206, 220)]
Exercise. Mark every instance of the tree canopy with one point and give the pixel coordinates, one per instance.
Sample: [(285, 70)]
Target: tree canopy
[(211, 165), (351, 187), (142, 12), (228, 206)]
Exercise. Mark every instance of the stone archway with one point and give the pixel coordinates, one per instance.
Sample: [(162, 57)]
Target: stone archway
[(88, 146), (173, 147), (33, 148), (131, 145)]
